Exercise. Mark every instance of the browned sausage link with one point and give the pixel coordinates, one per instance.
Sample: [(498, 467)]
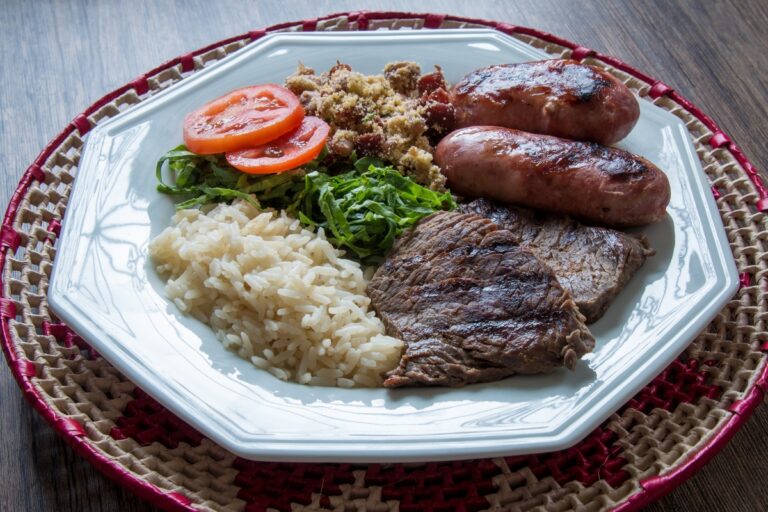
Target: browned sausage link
[(556, 97), (602, 185)]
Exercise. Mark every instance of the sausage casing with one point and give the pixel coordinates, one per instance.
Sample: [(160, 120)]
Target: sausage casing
[(556, 97), (601, 185)]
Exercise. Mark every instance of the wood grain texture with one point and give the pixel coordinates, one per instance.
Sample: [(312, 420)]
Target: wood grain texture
[(60, 56)]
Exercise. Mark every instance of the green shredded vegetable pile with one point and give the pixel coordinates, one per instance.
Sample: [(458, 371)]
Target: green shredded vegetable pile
[(362, 210), (366, 209), (207, 179)]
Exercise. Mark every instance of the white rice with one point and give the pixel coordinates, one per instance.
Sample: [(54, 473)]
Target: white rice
[(276, 293)]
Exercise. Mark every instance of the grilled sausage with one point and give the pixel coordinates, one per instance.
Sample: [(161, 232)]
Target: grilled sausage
[(556, 97), (601, 185)]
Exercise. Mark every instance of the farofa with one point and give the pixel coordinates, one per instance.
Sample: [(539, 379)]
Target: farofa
[(390, 116)]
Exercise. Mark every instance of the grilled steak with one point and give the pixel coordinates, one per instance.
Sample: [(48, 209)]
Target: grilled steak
[(592, 263), (472, 305)]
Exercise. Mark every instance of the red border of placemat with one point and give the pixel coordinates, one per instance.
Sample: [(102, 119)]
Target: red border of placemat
[(23, 370)]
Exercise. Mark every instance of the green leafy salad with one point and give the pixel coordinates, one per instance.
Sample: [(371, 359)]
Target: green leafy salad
[(362, 210)]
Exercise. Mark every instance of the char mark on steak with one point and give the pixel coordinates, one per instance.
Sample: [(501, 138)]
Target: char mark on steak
[(592, 263), (472, 305)]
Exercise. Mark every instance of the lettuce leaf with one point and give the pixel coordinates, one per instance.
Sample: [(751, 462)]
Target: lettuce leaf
[(204, 179)]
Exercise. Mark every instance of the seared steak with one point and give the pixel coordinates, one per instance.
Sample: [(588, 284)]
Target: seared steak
[(592, 263), (472, 305)]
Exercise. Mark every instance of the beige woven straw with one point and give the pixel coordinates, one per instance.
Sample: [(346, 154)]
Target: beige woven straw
[(638, 454)]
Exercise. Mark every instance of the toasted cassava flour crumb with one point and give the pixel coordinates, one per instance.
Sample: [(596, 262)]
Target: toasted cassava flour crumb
[(388, 116), (276, 293)]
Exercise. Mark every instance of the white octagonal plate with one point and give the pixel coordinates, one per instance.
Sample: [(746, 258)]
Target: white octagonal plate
[(105, 287)]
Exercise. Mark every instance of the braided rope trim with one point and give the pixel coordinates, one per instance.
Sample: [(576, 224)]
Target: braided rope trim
[(32, 222)]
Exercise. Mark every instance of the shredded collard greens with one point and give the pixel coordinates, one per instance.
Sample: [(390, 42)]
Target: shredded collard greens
[(366, 209), (362, 210)]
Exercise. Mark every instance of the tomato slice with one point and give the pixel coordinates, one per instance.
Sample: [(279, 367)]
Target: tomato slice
[(287, 152), (243, 118)]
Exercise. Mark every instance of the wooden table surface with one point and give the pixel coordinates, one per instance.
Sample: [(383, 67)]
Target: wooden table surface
[(60, 56)]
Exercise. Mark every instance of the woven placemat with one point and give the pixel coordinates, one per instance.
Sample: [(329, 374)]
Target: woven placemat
[(663, 435)]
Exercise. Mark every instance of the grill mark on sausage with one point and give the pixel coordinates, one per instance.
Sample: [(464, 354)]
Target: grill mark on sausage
[(563, 98), (567, 80), (601, 185), (552, 158), (619, 165)]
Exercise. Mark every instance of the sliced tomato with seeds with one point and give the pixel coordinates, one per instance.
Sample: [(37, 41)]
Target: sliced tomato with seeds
[(243, 118), (287, 152)]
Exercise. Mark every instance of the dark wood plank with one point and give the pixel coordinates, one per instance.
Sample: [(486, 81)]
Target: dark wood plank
[(59, 57)]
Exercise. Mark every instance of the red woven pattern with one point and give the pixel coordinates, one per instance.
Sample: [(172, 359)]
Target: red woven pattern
[(69, 338), (9, 239), (140, 85), (659, 89), (719, 139), (677, 384), (433, 20), (581, 53), (54, 227), (438, 487), (148, 422), (82, 124), (276, 485), (595, 458), (7, 308)]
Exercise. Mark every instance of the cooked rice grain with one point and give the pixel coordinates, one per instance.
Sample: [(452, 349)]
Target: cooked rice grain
[(276, 293)]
